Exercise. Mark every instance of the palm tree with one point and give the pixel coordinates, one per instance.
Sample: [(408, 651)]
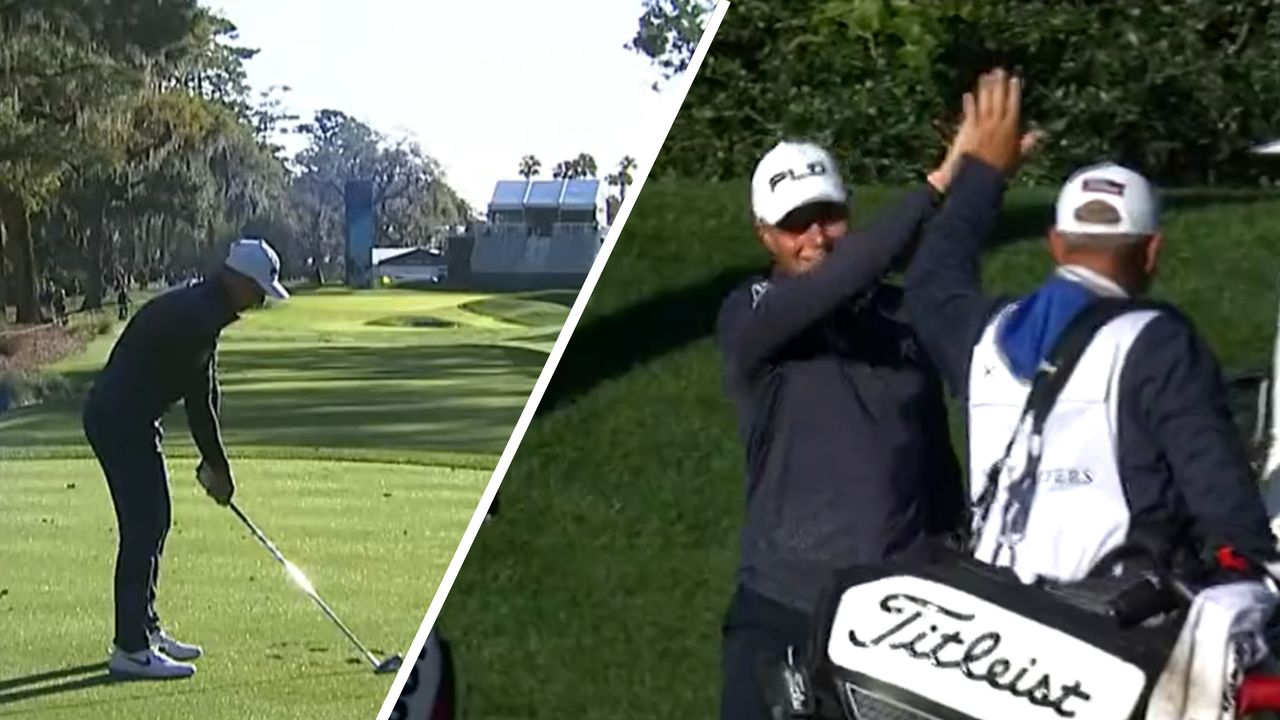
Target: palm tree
[(585, 165), (623, 177), (530, 166)]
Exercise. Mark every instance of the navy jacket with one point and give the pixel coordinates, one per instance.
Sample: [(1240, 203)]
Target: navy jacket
[(842, 418), (168, 353)]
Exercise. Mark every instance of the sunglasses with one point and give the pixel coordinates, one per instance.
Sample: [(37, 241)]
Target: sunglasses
[(806, 216)]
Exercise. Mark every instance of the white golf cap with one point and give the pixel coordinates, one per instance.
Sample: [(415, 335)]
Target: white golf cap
[(1123, 189), (256, 260), (793, 174)]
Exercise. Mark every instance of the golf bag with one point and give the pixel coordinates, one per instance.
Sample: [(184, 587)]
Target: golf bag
[(944, 637), (430, 691)]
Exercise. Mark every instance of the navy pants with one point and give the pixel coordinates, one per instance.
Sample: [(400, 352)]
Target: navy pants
[(133, 462), (757, 633)]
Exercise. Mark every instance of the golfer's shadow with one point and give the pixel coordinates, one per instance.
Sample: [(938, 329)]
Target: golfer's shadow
[(54, 682)]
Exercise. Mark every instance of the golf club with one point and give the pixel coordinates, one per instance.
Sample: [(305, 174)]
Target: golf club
[(390, 664)]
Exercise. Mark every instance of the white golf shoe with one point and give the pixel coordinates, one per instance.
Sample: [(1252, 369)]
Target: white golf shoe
[(149, 664), (174, 648)]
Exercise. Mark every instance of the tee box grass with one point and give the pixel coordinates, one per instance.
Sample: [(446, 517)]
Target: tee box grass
[(361, 441)]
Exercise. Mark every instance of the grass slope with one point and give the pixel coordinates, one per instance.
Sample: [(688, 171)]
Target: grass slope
[(530, 312), (360, 449), (607, 576)]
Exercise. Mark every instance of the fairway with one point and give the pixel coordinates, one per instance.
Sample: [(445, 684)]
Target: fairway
[(361, 441), (607, 579)]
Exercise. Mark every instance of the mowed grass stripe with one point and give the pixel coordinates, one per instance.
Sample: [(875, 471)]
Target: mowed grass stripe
[(263, 452), (410, 392)]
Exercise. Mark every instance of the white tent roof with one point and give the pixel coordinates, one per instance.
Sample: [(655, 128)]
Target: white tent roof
[(381, 255), (1271, 148)]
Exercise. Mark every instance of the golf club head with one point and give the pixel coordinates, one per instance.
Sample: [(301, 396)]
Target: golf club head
[(389, 665)]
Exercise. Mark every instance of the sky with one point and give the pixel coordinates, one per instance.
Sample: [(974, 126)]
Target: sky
[(477, 84)]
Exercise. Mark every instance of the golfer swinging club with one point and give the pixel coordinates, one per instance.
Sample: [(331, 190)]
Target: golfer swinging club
[(168, 352)]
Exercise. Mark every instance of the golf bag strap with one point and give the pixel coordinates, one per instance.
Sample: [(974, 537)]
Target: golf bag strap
[(1046, 386)]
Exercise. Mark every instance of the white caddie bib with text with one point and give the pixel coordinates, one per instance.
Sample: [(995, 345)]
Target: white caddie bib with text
[(1079, 511)]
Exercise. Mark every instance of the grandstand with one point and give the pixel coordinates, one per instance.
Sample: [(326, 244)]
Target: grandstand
[(538, 234)]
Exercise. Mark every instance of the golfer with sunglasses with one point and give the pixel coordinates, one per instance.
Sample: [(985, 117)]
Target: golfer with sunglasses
[(848, 454)]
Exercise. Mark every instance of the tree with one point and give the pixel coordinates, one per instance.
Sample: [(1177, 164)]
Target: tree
[(148, 169), (530, 166), (66, 73), (612, 205), (416, 202), (1181, 91), (582, 166), (622, 178), (410, 194), (132, 148), (268, 117), (585, 164), (668, 32)]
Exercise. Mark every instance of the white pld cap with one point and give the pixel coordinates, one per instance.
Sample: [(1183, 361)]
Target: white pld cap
[(793, 174), (1123, 189), (256, 260)]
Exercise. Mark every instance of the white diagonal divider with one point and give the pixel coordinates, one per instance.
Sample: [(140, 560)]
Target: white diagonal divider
[(553, 360)]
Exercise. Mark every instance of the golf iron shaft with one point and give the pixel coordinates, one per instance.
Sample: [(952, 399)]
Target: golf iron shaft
[(391, 664)]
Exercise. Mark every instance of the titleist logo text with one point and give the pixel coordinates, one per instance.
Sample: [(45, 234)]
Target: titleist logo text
[(928, 632)]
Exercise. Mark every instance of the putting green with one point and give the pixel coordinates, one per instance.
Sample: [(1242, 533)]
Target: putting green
[(359, 449)]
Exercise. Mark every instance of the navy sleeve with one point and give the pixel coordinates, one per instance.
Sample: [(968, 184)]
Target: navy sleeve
[(944, 282), (1173, 378), (203, 402), (751, 331)]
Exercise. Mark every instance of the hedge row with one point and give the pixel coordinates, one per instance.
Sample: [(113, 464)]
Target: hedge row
[(1180, 89)]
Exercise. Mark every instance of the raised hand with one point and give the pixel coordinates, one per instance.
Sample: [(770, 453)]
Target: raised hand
[(996, 116)]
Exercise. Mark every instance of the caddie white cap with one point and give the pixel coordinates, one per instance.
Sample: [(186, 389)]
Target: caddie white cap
[(256, 260), (793, 174), (1121, 188)]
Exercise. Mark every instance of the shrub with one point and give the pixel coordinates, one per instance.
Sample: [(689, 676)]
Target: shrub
[(19, 389), (1181, 89)]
